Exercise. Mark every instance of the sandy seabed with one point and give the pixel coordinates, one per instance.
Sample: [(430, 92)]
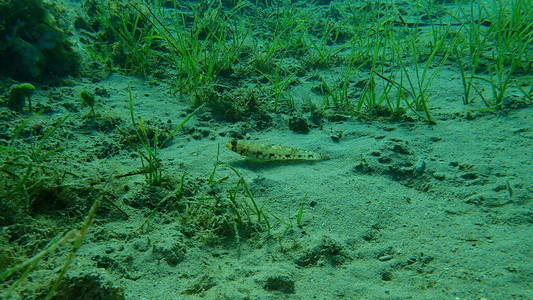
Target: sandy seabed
[(402, 210)]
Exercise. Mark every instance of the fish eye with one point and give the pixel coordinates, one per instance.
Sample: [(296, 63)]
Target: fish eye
[(233, 142)]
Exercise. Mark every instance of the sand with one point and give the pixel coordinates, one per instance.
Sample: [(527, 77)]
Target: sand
[(402, 210)]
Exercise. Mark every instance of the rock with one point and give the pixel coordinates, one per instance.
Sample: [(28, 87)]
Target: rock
[(439, 176), (419, 168), (385, 257)]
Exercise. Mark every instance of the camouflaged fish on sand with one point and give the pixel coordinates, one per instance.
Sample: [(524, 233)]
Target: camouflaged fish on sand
[(270, 152)]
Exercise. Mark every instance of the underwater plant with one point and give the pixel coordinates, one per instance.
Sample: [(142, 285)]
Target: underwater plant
[(496, 52), (18, 94), (27, 173), (125, 41), (279, 84), (87, 98), (73, 239), (203, 47), (148, 149), (420, 80), (337, 95), (215, 211)]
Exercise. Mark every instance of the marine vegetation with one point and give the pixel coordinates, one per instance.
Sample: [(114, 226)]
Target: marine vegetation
[(18, 94), (88, 99)]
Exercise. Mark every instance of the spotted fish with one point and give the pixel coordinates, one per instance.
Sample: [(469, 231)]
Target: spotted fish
[(269, 152)]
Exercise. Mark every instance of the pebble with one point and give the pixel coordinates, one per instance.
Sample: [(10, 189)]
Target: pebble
[(420, 167), (385, 258)]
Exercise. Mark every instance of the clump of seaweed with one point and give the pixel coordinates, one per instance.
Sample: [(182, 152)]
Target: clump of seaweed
[(88, 99), (29, 181), (32, 184), (214, 209), (18, 94), (72, 239), (121, 38)]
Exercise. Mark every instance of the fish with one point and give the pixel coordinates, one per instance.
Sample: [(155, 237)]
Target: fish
[(271, 152)]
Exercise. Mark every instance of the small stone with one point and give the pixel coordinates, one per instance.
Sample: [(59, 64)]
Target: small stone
[(386, 276), (439, 176), (420, 167), (427, 259), (385, 258), (412, 259)]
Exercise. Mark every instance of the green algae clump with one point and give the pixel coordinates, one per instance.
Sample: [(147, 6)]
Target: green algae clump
[(87, 98), (18, 94)]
